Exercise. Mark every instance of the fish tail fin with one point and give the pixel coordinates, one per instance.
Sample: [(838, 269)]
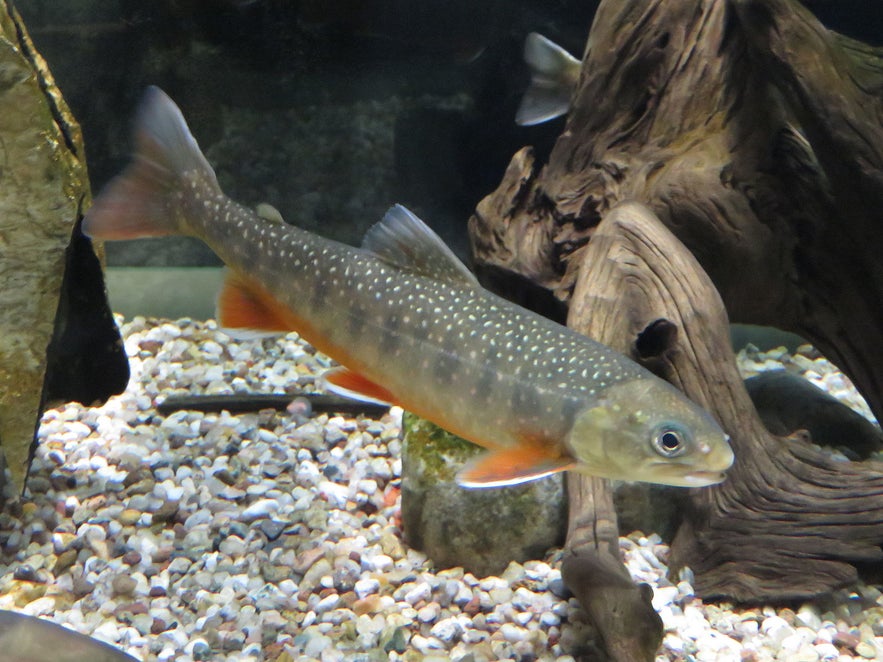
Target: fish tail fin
[(140, 202), (553, 74)]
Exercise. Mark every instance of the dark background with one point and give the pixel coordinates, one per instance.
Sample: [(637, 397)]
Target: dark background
[(330, 110)]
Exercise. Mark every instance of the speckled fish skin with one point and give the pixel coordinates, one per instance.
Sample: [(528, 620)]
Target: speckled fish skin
[(407, 317)]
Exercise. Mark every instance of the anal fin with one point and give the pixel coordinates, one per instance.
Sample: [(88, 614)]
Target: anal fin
[(351, 384), (513, 466)]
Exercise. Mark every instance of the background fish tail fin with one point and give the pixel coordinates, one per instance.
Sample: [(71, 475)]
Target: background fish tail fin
[(553, 73), (140, 201)]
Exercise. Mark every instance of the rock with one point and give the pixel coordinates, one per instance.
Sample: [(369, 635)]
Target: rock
[(64, 561), (394, 639), (867, 650), (479, 530), (129, 517), (44, 183), (317, 571), (272, 528), (846, 640), (123, 585), (166, 511), (260, 509)]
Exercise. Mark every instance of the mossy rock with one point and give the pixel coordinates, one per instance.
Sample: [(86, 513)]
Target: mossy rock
[(480, 530)]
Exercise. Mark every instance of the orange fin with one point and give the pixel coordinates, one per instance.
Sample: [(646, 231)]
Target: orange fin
[(352, 385), (513, 466), (245, 306)]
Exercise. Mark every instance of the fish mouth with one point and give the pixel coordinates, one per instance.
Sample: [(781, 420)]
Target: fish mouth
[(703, 478)]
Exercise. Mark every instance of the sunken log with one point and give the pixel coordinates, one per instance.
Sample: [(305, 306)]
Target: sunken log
[(751, 133), (790, 521), (621, 611)]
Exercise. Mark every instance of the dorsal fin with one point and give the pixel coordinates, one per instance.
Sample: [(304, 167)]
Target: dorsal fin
[(404, 241), (269, 213)]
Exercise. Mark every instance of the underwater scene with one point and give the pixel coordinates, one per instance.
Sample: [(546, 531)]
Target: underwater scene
[(361, 330)]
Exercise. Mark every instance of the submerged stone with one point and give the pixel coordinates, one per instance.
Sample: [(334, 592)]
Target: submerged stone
[(43, 189), (481, 530)]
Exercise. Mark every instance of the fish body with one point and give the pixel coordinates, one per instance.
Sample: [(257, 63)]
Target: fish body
[(29, 639), (554, 75), (412, 327)]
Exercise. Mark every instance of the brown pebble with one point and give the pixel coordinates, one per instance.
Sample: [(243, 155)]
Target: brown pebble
[(129, 517), (162, 555), (134, 476), (276, 651), (348, 599), (123, 584), (157, 592), (96, 502), (132, 557), (306, 559), (846, 639), (166, 512), (64, 561), (367, 605), (150, 346), (472, 607), (131, 609), (225, 477), (144, 486), (82, 586), (158, 625)]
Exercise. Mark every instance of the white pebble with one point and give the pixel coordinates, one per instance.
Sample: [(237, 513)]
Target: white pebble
[(365, 587), (421, 591), (260, 509)]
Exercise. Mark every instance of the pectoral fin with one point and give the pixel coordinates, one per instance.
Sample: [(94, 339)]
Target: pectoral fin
[(353, 385), (512, 466)]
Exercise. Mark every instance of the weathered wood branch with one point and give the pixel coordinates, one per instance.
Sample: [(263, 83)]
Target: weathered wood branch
[(833, 87), (754, 135), (790, 521), (621, 610)]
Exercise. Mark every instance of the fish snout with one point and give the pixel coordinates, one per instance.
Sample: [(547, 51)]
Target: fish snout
[(716, 456)]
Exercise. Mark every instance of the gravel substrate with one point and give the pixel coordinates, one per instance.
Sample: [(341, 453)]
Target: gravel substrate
[(267, 537)]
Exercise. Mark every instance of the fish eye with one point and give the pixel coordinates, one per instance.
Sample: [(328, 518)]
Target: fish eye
[(670, 441)]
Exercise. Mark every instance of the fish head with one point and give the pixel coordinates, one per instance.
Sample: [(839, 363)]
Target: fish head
[(646, 430)]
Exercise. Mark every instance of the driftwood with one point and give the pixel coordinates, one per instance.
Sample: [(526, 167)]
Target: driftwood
[(754, 135), (619, 609)]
